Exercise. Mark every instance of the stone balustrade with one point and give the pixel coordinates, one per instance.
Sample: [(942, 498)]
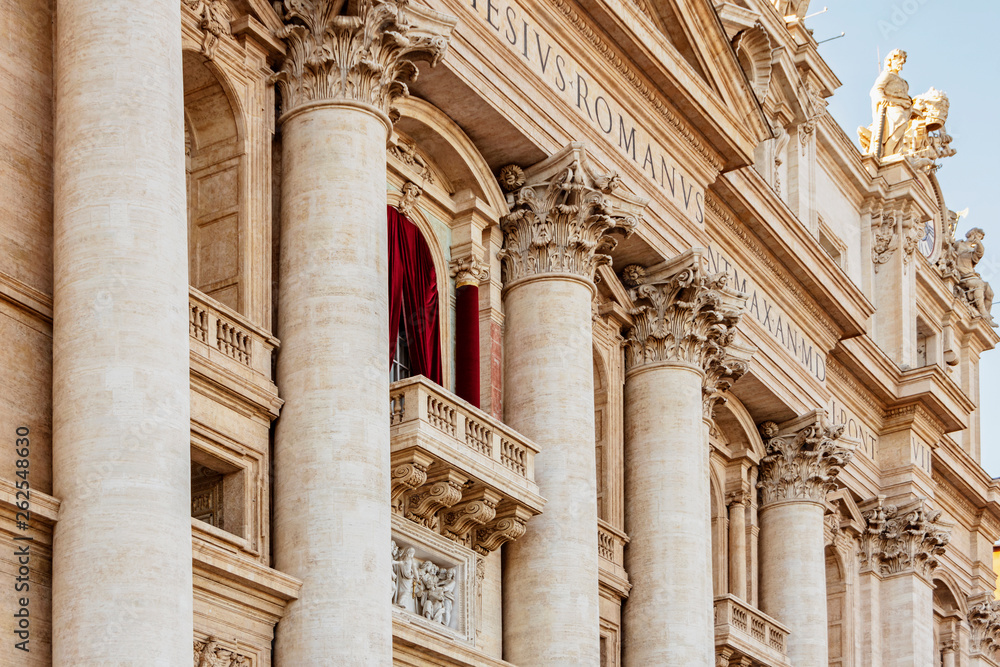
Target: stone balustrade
[(743, 632), (229, 352), (457, 470), (611, 564)]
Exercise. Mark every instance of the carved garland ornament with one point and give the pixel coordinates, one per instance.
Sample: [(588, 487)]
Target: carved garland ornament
[(902, 539), (560, 220), (690, 317), (366, 57), (801, 464)]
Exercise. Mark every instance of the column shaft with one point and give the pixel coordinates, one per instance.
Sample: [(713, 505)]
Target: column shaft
[(668, 617), (909, 628), (331, 493), (738, 549), (467, 343), (551, 614), (121, 404), (792, 548)]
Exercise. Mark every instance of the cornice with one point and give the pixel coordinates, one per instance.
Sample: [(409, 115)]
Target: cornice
[(677, 66), (764, 214), (757, 249)]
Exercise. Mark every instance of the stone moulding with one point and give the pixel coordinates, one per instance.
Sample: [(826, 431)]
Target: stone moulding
[(561, 217), (365, 58), (804, 457)]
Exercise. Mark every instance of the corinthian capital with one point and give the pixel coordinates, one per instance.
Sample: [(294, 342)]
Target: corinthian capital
[(561, 214), (803, 458), (360, 51), (902, 539), (684, 314)]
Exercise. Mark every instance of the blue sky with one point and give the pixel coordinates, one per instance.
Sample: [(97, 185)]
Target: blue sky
[(953, 47)]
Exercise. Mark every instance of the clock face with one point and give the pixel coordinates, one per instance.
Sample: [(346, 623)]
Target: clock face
[(927, 242)]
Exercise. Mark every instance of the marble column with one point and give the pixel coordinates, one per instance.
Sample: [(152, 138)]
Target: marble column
[(684, 320), (554, 238), (803, 459), (331, 450), (738, 545), (900, 546), (121, 572)]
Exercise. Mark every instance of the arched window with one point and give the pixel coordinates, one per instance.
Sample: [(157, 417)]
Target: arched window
[(414, 314)]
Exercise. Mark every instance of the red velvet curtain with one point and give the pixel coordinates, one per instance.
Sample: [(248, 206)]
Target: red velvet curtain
[(413, 289)]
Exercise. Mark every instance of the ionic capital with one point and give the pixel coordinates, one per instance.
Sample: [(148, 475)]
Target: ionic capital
[(683, 313), (803, 458), (902, 539), (468, 271), (359, 52), (562, 212)]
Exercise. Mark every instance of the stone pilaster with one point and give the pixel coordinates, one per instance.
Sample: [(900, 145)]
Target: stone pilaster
[(562, 211), (803, 459), (121, 571), (346, 65), (677, 365), (900, 546)]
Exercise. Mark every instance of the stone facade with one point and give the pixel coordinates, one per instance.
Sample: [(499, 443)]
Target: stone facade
[(709, 389)]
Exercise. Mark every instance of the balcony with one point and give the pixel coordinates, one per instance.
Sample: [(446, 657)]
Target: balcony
[(744, 632), (231, 353), (458, 471), (611, 564)]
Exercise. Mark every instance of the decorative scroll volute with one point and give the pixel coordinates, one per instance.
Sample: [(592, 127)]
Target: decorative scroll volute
[(561, 214), (984, 620), (902, 539), (364, 57), (803, 458), (684, 314)]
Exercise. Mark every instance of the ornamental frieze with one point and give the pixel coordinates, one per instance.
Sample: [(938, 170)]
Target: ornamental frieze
[(562, 214), (902, 539), (360, 52), (684, 314), (804, 457)]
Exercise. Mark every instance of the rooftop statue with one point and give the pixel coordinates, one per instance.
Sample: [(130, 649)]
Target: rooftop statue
[(901, 125), (976, 290)]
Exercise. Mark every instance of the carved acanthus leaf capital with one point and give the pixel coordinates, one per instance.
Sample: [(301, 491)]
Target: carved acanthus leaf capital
[(984, 620), (469, 271), (683, 313), (720, 375), (562, 215), (365, 56), (902, 539), (803, 458)]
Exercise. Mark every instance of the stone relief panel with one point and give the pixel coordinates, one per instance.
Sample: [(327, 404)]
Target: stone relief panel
[(434, 582)]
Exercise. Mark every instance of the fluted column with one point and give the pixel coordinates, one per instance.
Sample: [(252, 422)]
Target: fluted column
[(675, 360), (803, 458), (554, 238), (331, 456), (900, 546), (121, 405), (738, 545)]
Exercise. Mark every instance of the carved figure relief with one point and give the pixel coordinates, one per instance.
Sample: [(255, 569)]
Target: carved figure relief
[(422, 586), (971, 286), (211, 653), (407, 154)]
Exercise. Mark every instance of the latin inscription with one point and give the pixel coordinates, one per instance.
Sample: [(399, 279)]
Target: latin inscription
[(578, 88), (855, 428), (767, 314)]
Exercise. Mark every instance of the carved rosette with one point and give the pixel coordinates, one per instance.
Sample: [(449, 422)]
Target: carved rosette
[(803, 459), (365, 56), (684, 314), (561, 217), (902, 539)]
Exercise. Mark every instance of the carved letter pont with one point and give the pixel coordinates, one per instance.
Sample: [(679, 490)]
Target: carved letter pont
[(364, 57), (561, 212), (803, 458)]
